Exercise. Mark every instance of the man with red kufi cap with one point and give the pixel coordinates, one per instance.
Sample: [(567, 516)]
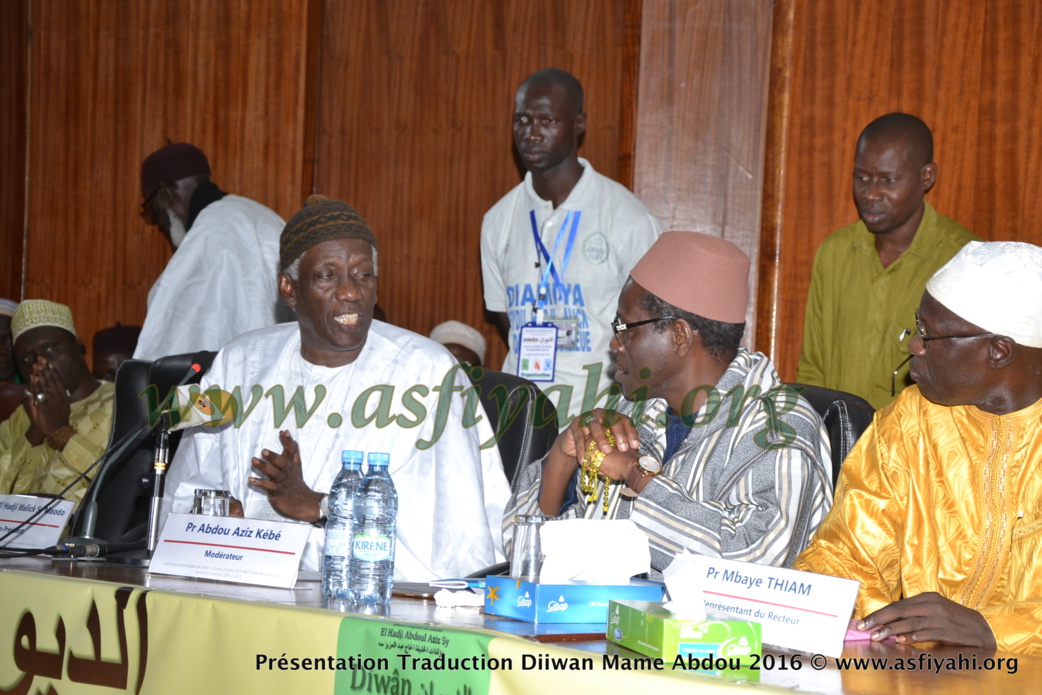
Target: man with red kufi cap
[(709, 452)]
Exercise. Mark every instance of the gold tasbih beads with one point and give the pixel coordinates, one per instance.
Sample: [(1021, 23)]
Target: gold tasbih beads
[(591, 467)]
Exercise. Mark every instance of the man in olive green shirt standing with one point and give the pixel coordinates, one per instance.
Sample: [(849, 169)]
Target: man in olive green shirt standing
[(868, 277)]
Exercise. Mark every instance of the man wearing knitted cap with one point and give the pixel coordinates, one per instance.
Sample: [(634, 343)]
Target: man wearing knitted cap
[(338, 379), (63, 423), (710, 452), (939, 505), (221, 280)]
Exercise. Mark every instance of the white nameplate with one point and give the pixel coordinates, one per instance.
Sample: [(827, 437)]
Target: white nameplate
[(247, 551), (42, 531), (798, 610)]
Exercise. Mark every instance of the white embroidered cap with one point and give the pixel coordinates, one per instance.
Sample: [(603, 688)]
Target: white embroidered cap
[(996, 285)]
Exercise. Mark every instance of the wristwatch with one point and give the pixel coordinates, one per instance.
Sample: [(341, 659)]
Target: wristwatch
[(644, 467)]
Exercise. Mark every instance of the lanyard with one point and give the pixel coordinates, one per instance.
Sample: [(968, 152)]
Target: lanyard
[(551, 269)]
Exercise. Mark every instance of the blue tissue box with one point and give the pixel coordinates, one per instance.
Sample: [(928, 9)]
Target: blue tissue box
[(574, 602)]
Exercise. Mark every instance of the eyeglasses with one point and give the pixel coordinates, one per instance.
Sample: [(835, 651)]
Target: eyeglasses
[(148, 211), (924, 339), (617, 326)]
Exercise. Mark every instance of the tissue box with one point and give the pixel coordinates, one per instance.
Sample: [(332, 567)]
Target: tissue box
[(650, 629), (574, 602)]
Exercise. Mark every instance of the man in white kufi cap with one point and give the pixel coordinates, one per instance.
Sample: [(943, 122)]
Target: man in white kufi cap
[(938, 506), (465, 343)]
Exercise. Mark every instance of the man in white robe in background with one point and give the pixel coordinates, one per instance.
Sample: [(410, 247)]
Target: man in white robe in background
[(221, 280), (344, 381)]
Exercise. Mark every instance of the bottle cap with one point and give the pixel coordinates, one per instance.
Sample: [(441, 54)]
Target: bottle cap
[(351, 456), (377, 458)]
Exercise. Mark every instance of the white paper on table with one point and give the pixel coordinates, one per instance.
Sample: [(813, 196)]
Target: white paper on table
[(682, 579), (587, 550)]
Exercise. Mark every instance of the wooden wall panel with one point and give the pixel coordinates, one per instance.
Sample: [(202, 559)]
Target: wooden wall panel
[(415, 110), (970, 69), (701, 118), (14, 54), (401, 107), (110, 81)]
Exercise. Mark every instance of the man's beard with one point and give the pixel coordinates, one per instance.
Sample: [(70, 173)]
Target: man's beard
[(177, 229)]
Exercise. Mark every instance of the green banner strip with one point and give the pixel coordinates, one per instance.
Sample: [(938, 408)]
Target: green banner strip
[(407, 659)]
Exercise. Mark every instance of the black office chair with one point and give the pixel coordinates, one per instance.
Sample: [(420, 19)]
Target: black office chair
[(846, 417), (115, 507), (522, 418)]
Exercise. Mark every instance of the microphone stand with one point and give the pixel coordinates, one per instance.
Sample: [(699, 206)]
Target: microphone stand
[(89, 509), (161, 460), (90, 506)]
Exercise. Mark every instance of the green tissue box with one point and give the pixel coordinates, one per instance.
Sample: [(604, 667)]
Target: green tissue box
[(701, 645)]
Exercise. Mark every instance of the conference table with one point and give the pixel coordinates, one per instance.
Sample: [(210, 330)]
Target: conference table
[(71, 627)]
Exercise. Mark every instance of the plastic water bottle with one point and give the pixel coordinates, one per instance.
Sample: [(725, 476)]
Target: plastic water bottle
[(338, 525), (371, 569)]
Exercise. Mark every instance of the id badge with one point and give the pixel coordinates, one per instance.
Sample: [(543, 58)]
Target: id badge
[(567, 332), (537, 354)]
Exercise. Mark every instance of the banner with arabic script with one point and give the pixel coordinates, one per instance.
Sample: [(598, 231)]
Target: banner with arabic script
[(66, 636), (70, 636), (81, 636)]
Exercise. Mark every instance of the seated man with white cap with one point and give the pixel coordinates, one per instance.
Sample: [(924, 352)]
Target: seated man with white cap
[(710, 452), (465, 343), (63, 423), (939, 506)]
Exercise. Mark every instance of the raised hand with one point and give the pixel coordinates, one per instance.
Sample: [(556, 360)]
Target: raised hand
[(288, 493)]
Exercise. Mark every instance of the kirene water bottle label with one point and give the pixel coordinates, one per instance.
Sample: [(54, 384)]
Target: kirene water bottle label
[(372, 548), (338, 542)]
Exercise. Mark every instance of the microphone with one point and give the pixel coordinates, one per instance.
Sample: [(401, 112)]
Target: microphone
[(89, 507), (115, 450), (201, 410)]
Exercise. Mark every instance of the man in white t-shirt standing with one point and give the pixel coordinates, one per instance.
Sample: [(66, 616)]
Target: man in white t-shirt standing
[(556, 250)]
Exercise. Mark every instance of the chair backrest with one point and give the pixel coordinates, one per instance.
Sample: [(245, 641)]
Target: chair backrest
[(121, 491), (846, 417), (523, 419)]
